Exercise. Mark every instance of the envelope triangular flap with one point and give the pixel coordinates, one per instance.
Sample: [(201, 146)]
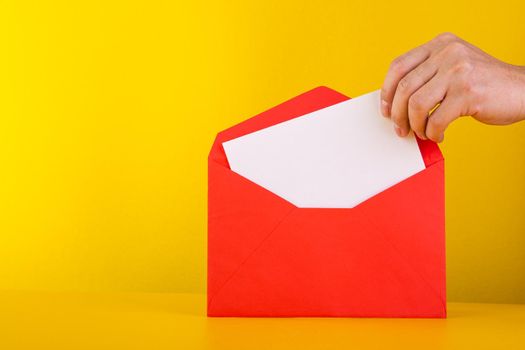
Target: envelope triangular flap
[(310, 101)]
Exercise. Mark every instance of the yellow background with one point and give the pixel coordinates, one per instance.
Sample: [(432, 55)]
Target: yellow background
[(108, 110)]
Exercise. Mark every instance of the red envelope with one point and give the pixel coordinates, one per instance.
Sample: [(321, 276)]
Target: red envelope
[(266, 257)]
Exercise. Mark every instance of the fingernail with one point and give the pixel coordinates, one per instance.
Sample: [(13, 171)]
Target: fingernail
[(398, 130), (385, 109), (422, 137)]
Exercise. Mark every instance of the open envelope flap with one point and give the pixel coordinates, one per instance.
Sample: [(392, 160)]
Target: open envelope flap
[(310, 101), (383, 258)]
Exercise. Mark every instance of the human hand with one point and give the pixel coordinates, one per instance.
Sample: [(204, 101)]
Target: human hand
[(458, 78)]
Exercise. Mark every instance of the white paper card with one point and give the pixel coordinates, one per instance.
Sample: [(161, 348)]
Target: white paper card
[(336, 157)]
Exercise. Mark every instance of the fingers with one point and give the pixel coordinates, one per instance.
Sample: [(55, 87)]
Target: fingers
[(398, 69), (407, 86), (448, 111), (419, 81), (423, 101)]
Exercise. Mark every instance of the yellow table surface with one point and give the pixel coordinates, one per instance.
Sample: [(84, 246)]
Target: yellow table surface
[(47, 320)]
